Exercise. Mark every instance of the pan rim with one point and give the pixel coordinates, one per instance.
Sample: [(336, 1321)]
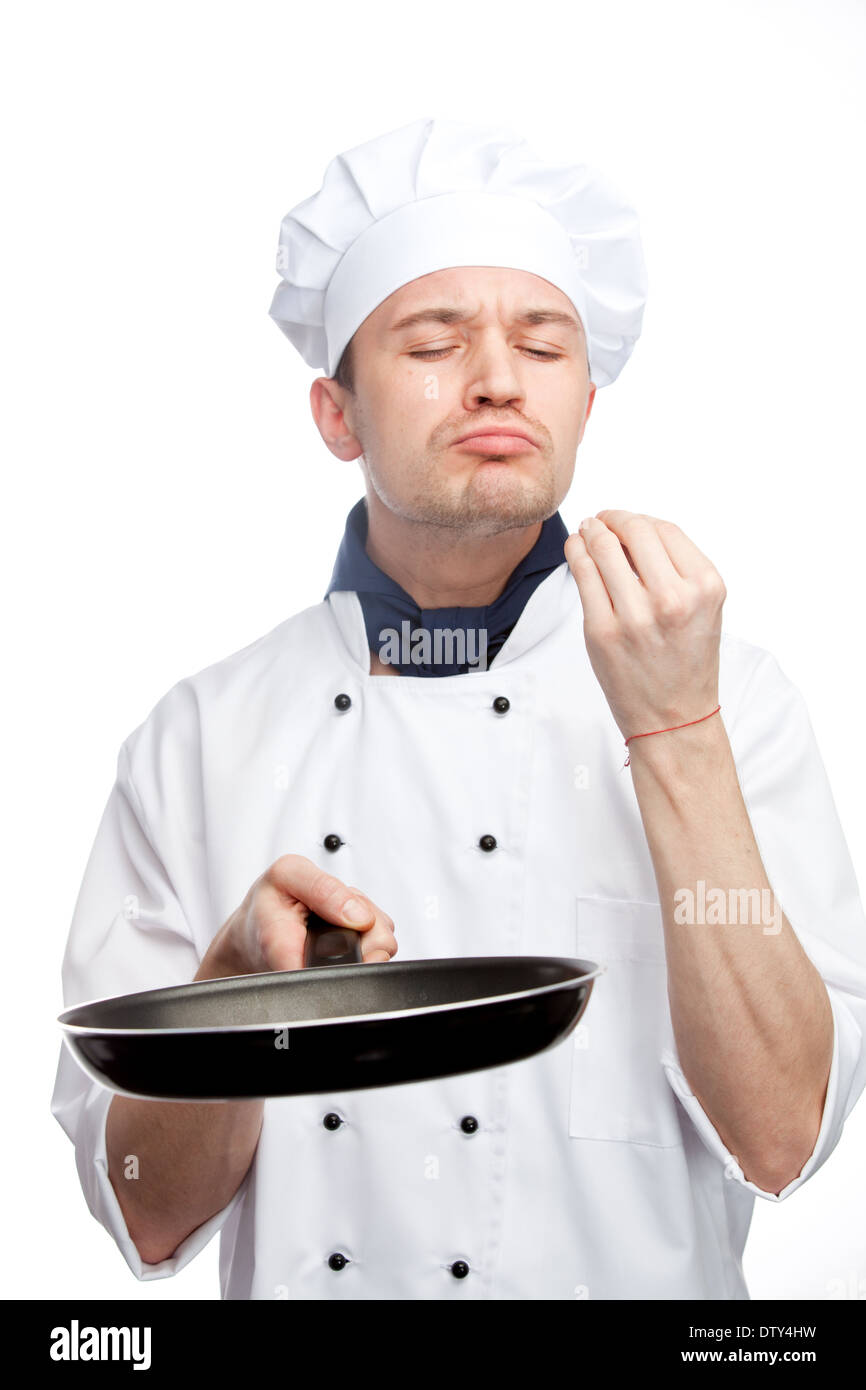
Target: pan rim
[(92, 1030)]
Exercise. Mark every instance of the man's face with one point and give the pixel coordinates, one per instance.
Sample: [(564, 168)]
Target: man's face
[(451, 355)]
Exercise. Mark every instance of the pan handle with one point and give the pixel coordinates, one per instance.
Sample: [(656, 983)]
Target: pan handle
[(328, 944)]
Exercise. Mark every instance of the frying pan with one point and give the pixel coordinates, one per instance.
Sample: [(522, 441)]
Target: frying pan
[(341, 1026)]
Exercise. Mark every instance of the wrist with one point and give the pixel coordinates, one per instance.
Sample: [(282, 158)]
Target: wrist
[(687, 752)]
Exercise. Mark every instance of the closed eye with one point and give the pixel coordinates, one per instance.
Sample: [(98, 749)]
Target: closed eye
[(434, 354)]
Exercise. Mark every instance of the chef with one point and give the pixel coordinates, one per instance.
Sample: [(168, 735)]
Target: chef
[(489, 738)]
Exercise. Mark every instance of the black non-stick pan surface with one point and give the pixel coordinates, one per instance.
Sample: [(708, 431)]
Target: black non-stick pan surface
[(337, 1027)]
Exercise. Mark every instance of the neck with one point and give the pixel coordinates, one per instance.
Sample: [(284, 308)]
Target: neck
[(442, 567)]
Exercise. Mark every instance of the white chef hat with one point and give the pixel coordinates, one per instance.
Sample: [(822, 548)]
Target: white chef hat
[(436, 194)]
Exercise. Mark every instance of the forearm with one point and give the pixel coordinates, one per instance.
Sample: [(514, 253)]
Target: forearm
[(751, 1015), (189, 1160), (190, 1157)]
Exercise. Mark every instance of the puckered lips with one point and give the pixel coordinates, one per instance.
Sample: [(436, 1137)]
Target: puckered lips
[(496, 439)]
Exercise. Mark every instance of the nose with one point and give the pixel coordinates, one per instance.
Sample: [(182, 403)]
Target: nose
[(491, 374)]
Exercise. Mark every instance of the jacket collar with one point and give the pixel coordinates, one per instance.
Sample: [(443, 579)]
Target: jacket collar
[(554, 602)]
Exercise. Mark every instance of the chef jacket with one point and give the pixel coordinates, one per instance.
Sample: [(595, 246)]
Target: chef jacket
[(588, 1171)]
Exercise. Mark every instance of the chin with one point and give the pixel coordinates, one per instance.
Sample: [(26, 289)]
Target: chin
[(500, 495)]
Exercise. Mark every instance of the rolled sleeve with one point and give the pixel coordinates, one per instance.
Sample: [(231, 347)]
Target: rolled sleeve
[(843, 1087), (92, 1164)]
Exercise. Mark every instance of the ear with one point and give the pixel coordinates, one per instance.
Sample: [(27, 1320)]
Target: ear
[(329, 403)]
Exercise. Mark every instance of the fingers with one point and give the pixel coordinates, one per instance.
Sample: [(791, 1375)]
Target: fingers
[(304, 881), (624, 588), (276, 932), (593, 595), (652, 562), (689, 561), (645, 562), (299, 884), (379, 942)]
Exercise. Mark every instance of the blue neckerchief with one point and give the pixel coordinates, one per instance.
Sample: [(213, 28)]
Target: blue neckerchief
[(438, 641)]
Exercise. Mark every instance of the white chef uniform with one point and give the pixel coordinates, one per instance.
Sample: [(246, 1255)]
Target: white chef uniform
[(592, 1171)]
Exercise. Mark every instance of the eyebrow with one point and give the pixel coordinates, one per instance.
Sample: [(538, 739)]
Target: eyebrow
[(447, 315)]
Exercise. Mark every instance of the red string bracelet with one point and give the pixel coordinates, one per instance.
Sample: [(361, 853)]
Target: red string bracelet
[(671, 730)]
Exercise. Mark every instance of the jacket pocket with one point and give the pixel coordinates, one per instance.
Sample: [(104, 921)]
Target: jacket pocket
[(619, 1090)]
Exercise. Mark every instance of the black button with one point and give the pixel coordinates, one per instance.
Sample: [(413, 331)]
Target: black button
[(332, 1121), (337, 1261), (469, 1124), (487, 843), (332, 843), (343, 702), (460, 1269), (502, 704)]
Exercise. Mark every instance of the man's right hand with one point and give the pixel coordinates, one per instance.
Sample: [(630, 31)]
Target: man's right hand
[(268, 930)]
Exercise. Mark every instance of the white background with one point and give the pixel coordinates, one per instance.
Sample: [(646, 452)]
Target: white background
[(167, 499)]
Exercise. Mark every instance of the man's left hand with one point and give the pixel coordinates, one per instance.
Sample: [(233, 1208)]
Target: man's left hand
[(652, 610)]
